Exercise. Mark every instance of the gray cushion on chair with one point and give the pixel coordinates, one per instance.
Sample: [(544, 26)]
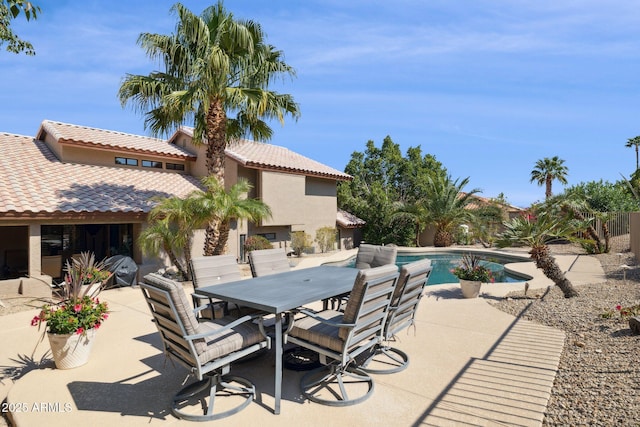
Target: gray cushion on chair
[(322, 334), (241, 336), (268, 261), (370, 256), (212, 270)]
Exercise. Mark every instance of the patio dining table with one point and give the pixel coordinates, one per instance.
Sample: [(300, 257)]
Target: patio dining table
[(282, 292)]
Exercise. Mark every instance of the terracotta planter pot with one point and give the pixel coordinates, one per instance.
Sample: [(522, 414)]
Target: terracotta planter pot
[(71, 350), (470, 288)]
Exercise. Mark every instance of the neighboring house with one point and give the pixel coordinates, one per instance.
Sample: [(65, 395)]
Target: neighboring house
[(76, 188), (349, 230)]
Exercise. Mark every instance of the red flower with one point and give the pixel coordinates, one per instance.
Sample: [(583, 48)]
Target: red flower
[(80, 331), (35, 320), (105, 316), (77, 308), (618, 307)]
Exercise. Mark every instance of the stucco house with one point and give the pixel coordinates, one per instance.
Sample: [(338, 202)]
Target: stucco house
[(74, 188)]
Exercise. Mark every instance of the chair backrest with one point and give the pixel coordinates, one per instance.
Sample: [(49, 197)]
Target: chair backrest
[(370, 256), (406, 297), (212, 270), (368, 304), (264, 262), (173, 316)]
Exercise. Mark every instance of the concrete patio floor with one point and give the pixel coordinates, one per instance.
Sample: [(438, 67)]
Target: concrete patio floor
[(470, 364)]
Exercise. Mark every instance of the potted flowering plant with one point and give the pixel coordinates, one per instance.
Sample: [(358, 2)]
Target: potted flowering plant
[(472, 274), (71, 323)]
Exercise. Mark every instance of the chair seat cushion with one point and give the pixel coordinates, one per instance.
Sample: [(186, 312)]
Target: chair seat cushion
[(312, 330), (216, 346)]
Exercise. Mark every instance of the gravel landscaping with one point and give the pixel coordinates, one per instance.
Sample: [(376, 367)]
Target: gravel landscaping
[(598, 381)]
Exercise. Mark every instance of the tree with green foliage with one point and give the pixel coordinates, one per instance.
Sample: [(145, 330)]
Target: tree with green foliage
[(547, 170), (445, 204), (215, 205), (635, 143), (215, 65), (486, 222), (604, 196), (385, 184), (9, 10), (537, 230)]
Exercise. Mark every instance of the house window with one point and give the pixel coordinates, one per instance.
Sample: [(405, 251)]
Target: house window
[(151, 164), (175, 166), (269, 236), (126, 161)]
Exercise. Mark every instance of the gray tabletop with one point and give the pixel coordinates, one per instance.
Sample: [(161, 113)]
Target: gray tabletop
[(281, 292)]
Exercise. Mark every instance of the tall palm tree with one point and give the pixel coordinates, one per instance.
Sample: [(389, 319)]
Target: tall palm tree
[(220, 206), (547, 170), (634, 142), (215, 65), (445, 206), (537, 232)]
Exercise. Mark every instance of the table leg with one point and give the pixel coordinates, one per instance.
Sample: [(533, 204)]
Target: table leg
[(278, 351)]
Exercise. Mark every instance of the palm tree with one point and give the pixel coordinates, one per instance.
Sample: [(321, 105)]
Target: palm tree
[(163, 235), (219, 207), (214, 65), (634, 142), (548, 169), (537, 232), (172, 222), (445, 206)]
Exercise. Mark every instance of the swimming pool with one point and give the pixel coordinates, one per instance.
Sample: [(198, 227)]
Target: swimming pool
[(443, 262)]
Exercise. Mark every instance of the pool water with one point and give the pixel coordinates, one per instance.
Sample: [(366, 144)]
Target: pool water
[(443, 263)]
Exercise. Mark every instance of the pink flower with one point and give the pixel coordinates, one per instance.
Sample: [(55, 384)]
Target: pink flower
[(97, 325), (105, 316), (35, 320), (80, 331), (77, 308), (618, 307)]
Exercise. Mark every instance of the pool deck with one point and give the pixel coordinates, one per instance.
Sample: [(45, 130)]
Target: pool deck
[(471, 364)]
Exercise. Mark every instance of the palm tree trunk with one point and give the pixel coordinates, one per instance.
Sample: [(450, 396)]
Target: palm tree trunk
[(550, 268), (187, 258), (174, 260), (212, 237), (591, 231), (442, 239), (216, 139), (223, 237), (216, 144)]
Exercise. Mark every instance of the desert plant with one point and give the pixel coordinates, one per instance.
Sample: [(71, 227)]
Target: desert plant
[(326, 238), (300, 242)]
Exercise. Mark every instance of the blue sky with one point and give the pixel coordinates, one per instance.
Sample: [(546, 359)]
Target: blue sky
[(487, 87)]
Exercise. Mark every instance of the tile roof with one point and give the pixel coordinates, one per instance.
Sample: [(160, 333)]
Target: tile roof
[(35, 181), (348, 220), (260, 155), (82, 135)]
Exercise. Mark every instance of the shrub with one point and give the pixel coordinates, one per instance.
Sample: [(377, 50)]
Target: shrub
[(257, 242), (326, 238), (300, 241)]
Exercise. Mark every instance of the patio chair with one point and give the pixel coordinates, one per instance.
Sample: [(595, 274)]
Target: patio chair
[(206, 348), (404, 304), (340, 337), (268, 261), (368, 256), (213, 270)]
